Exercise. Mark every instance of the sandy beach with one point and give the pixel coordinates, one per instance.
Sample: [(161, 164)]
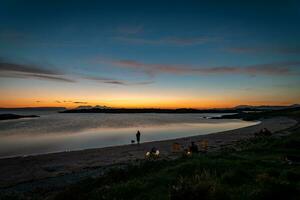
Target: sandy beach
[(32, 168)]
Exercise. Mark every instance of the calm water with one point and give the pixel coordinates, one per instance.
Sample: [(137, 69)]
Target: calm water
[(54, 132)]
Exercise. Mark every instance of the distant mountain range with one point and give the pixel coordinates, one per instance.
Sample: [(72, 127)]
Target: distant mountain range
[(237, 109), (91, 107), (105, 109), (265, 107)]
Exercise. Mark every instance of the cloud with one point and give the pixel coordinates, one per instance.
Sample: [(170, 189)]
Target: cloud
[(274, 50), (116, 82), (68, 101), (25, 71), (15, 70), (80, 102), (178, 41), (51, 78), (5, 66), (276, 68)]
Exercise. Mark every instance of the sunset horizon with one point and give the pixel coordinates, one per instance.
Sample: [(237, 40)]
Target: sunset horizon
[(167, 105), (188, 57)]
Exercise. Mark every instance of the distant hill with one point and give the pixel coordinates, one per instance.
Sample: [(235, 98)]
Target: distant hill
[(265, 107), (293, 112), (237, 109), (91, 107)]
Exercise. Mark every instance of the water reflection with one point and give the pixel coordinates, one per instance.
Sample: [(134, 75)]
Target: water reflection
[(66, 132)]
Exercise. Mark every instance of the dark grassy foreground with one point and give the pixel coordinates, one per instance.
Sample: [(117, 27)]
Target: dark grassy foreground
[(258, 171), (259, 168), (253, 169)]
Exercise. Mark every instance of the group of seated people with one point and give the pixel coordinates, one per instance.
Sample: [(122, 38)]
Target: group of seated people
[(177, 148), (192, 148), (153, 153), (263, 132)]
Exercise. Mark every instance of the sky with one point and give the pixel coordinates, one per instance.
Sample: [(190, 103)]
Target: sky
[(159, 54)]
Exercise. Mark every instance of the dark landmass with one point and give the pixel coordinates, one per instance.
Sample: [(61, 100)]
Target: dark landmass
[(147, 110), (13, 116), (265, 107), (249, 116), (34, 109), (238, 109)]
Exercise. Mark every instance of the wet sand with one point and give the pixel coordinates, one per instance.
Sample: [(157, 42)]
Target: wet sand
[(32, 168)]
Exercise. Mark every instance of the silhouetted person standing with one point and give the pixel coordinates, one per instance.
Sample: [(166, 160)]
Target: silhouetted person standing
[(138, 137)]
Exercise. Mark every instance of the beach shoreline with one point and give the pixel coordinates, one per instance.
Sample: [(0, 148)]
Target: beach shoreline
[(31, 168), (88, 137)]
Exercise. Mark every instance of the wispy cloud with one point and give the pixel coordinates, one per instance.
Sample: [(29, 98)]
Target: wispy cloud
[(80, 102), (6, 66), (274, 50), (26, 71), (15, 70), (116, 82), (67, 101), (276, 68), (51, 78), (179, 41)]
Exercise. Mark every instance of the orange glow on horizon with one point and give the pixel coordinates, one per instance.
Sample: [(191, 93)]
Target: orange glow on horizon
[(140, 103), (152, 99), (135, 97)]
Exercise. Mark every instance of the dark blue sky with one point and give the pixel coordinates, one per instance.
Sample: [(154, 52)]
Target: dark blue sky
[(138, 53)]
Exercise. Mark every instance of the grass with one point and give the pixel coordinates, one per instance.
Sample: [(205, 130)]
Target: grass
[(258, 170)]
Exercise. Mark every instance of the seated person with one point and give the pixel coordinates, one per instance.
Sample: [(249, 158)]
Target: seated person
[(193, 148), (176, 147), (263, 132), (266, 132), (153, 153)]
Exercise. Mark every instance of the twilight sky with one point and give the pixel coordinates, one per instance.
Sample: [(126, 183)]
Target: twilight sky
[(165, 54)]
